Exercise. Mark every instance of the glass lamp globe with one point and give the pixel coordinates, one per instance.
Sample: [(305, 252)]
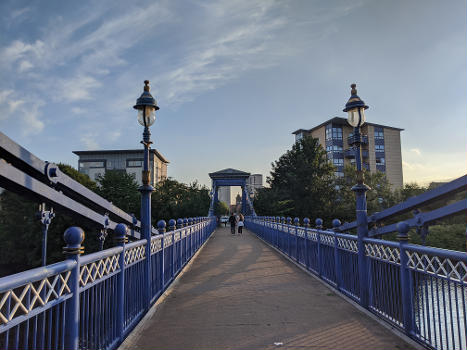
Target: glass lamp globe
[(150, 115), (356, 117)]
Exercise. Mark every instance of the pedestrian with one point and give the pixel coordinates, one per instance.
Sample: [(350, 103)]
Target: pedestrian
[(233, 221), (240, 224)]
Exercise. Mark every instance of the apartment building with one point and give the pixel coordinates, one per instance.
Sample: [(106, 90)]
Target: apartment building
[(381, 147), (95, 163)]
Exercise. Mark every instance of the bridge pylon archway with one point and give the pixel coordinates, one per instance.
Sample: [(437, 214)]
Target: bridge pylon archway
[(230, 177)]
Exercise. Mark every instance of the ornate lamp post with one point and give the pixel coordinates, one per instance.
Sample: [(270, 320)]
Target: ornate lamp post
[(355, 108), (146, 106)]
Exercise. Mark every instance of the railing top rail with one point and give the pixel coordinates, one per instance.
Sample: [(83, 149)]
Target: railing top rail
[(89, 258), (33, 275), (137, 243)]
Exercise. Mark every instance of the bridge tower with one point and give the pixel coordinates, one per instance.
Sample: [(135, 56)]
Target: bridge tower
[(230, 177)]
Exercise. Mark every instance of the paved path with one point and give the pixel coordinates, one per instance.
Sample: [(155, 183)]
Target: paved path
[(241, 294)]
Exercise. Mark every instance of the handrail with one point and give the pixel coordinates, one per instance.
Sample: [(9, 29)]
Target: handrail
[(33, 275)]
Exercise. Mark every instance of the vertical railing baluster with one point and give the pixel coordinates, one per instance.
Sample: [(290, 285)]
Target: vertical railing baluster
[(319, 227), (406, 288), (121, 231), (337, 265), (296, 222), (306, 223), (172, 224), (289, 222), (73, 236), (161, 225)]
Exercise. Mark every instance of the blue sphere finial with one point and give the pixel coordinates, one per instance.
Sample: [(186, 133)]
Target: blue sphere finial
[(403, 228), (319, 222), (289, 220), (73, 237), (336, 223), (172, 223), (161, 225), (296, 221), (179, 222), (120, 230)]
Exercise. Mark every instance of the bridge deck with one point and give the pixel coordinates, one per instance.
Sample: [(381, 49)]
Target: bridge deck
[(241, 294)]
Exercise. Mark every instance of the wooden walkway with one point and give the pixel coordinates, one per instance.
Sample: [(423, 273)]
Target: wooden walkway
[(240, 294)]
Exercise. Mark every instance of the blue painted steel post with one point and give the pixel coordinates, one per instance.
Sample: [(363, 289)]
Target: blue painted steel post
[(182, 243), (193, 232), (406, 286), (337, 263), (296, 222), (289, 222), (146, 106), (121, 231), (319, 227), (73, 236), (355, 107), (306, 223), (161, 224), (244, 197), (172, 224), (45, 217)]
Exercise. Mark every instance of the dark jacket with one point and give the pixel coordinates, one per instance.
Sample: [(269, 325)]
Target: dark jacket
[(232, 220)]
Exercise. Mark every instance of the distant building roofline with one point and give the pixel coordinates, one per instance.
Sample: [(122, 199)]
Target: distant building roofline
[(339, 120), (122, 151)]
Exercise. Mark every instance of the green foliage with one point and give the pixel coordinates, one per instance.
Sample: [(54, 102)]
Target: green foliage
[(83, 179), (221, 209), (379, 196), (172, 200), (121, 189), (301, 182)]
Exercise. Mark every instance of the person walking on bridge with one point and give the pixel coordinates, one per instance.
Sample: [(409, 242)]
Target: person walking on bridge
[(240, 224), (233, 221)]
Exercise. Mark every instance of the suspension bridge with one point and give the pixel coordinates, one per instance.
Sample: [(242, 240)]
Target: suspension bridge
[(286, 282)]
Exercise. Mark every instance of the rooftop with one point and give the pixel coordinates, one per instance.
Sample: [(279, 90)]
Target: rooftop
[(121, 151), (339, 120)]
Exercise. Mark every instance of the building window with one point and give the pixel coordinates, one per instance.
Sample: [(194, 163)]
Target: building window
[(134, 163), (333, 133), (379, 148), (379, 133), (92, 164), (338, 174), (380, 161), (334, 148), (298, 137), (338, 161)]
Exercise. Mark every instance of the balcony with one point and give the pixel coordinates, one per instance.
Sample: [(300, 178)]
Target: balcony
[(351, 139), (350, 153)]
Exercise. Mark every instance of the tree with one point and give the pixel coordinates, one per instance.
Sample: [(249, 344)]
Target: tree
[(221, 208), (172, 200), (121, 189), (379, 197), (301, 182)]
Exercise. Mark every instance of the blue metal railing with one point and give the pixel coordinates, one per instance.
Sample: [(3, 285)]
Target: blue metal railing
[(33, 304), (91, 301), (420, 290)]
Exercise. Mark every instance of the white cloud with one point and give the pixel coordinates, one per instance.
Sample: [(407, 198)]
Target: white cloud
[(78, 88), (78, 110), (89, 141), (24, 66), (20, 12), (416, 151)]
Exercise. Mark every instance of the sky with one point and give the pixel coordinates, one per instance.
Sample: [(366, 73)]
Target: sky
[(233, 78)]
